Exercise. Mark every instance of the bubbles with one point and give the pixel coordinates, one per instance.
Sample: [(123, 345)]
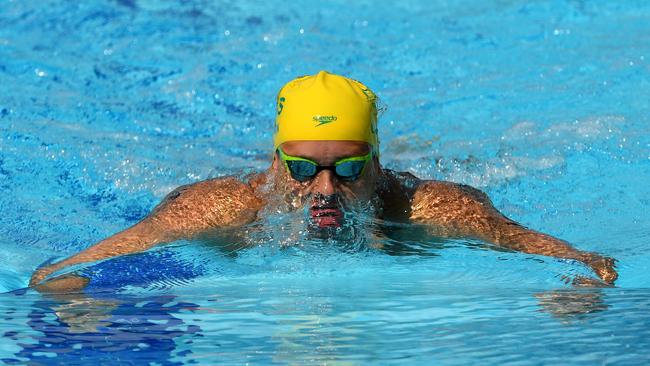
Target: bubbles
[(560, 32)]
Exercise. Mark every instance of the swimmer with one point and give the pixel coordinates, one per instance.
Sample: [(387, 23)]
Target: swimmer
[(326, 161)]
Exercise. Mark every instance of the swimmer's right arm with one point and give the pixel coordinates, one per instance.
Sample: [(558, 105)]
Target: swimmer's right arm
[(184, 213), (137, 238)]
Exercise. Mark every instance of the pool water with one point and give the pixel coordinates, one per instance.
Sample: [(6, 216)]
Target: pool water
[(105, 107)]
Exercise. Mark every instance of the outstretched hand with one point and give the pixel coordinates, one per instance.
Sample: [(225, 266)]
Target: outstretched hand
[(41, 273), (63, 283), (604, 267)]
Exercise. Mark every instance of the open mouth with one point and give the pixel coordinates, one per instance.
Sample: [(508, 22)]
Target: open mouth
[(326, 216)]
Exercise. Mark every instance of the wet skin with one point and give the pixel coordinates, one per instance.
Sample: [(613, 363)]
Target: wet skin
[(447, 209)]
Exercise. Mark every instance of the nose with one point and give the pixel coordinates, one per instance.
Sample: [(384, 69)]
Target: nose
[(324, 183)]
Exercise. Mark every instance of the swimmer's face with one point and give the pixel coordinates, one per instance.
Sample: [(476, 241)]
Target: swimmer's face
[(326, 182)]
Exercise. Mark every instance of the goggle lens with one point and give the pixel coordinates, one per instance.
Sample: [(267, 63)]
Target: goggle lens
[(350, 170), (302, 170)]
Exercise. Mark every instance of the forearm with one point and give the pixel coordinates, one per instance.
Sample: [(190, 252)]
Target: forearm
[(511, 235), (516, 237), (137, 238)]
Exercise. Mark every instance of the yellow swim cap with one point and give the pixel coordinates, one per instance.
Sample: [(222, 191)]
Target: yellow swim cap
[(326, 107)]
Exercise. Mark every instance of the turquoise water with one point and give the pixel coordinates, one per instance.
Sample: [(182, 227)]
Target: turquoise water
[(105, 107)]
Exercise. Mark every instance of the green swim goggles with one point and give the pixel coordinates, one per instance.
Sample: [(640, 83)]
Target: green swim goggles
[(346, 169)]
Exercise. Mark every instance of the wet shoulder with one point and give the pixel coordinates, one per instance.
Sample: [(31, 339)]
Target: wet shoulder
[(442, 191), (213, 202), (445, 201), (216, 188)]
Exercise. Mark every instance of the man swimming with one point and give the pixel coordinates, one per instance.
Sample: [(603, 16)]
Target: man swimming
[(326, 161)]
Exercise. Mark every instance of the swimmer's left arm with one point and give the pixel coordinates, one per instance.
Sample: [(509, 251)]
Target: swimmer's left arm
[(456, 210)]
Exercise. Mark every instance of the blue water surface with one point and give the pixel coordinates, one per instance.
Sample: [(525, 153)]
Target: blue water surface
[(106, 106)]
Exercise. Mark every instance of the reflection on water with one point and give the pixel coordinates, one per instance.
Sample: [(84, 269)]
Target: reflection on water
[(313, 320), (568, 304), (79, 329)]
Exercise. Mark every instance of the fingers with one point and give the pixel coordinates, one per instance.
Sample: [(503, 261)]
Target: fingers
[(604, 268), (65, 283), (42, 273), (39, 276), (581, 281)]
